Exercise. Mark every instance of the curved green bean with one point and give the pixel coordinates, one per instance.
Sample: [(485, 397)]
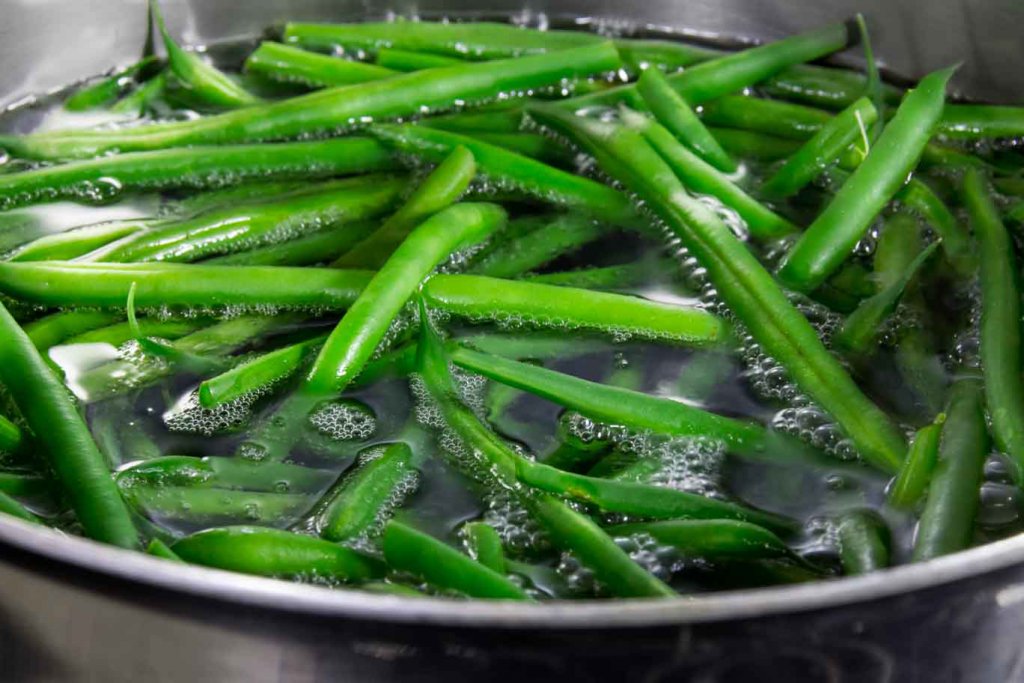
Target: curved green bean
[(442, 188), (828, 241), (947, 523), (911, 483), (673, 112), (1000, 330), (409, 550), (63, 438), (485, 546), (272, 552)]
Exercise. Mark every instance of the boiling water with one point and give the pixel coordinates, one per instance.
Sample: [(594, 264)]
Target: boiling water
[(164, 417)]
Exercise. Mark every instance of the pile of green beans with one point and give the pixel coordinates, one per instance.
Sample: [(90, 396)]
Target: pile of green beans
[(475, 310)]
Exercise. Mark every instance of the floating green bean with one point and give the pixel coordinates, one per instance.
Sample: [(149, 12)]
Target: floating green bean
[(291, 65), (484, 546), (256, 373)]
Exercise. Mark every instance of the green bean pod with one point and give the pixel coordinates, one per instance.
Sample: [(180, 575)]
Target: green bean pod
[(485, 546), (287, 64), (551, 238), (714, 539), (442, 188), (956, 240), (623, 277), (409, 550), (11, 507), (63, 438), (947, 523), (1000, 322), (256, 373), (320, 247), (863, 542), (158, 548), (10, 435), (410, 60), (911, 483), (361, 503), (980, 121), (108, 89), (212, 506), (822, 149), (742, 283), (194, 167), (223, 473), (119, 333), (272, 552), (673, 112), (65, 246), (142, 96), (335, 108), (828, 241)]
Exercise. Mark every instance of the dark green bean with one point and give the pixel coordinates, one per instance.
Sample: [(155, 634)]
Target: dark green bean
[(272, 552), (623, 277), (142, 97), (713, 539), (63, 438), (911, 483), (828, 241), (742, 283), (956, 240), (947, 523), (11, 507), (1000, 322), (409, 550), (863, 542)]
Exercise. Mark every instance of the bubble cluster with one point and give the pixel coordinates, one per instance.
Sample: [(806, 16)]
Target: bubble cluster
[(579, 580), (344, 420), (518, 530), (656, 558), (188, 416), (814, 426)]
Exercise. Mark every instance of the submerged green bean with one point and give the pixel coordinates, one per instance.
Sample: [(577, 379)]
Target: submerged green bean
[(863, 542), (912, 481), (64, 246), (1000, 329), (256, 373), (484, 546), (713, 539), (11, 507), (10, 435)]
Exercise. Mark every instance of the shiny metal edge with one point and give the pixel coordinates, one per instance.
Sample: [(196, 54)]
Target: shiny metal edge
[(313, 600)]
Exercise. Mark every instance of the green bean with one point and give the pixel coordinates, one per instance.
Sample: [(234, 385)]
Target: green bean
[(821, 150), (485, 546), (63, 438), (572, 453), (947, 523), (956, 241), (771, 117), (320, 247), (714, 539), (732, 72), (119, 333), (362, 502), (204, 82), (530, 145), (288, 64), (328, 110), (354, 340), (820, 86), (553, 237), (232, 229), (195, 167), (510, 170), (981, 121), (409, 60), (861, 328), (10, 436), (256, 373), (503, 121), (223, 473), (701, 177), (215, 506), (440, 189), (11, 507), (481, 298), (480, 40), (625, 276), (272, 552), (666, 55), (863, 542), (494, 462), (742, 283), (409, 550), (911, 483), (158, 548), (755, 146), (1010, 186), (58, 283), (77, 242), (828, 241), (142, 97), (118, 376), (107, 89), (23, 484), (1000, 322)]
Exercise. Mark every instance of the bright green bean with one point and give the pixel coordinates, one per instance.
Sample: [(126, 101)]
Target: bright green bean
[(320, 247), (335, 108), (288, 64), (484, 546), (911, 483), (742, 283), (409, 60), (947, 523), (256, 373), (108, 89), (625, 277), (828, 241), (158, 548), (553, 237), (63, 438), (1000, 322), (272, 552), (364, 499), (10, 435), (821, 150), (701, 177), (980, 121), (195, 167), (509, 170), (407, 549), (64, 246), (442, 188), (119, 333)]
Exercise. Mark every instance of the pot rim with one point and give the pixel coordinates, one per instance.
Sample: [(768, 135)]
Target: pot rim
[(137, 568)]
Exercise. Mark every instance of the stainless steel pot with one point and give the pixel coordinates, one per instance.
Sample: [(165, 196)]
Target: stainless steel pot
[(71, 609)]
